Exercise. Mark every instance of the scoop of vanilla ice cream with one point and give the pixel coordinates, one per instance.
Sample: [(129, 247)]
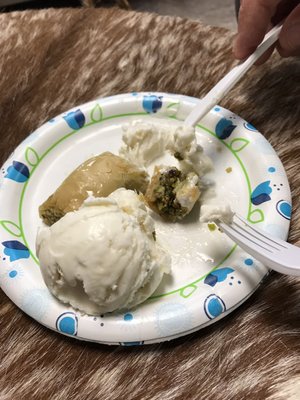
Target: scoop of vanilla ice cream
[(103, 257), (192, 156), (145, 142)]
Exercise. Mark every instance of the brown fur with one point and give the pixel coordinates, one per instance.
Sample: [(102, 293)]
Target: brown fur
[(92, 3), (50, 61)]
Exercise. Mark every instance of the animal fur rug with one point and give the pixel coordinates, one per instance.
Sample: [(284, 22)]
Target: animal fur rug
[(51, 60)]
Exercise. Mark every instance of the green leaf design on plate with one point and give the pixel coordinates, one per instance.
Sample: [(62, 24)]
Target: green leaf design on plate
[(172, 109), (238, 144), (11, 228), (187, 291), (96, 113), (256, 216), (32, 156)]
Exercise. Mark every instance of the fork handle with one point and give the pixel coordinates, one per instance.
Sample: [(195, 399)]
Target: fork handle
[(229, 80)]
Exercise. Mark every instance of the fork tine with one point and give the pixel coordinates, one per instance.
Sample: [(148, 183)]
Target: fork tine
[(251, 233), (261, 233), (248, 235), (249, 241)]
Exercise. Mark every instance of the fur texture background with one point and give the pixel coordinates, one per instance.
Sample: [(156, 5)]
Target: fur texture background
[(50, 61), (92, 3)]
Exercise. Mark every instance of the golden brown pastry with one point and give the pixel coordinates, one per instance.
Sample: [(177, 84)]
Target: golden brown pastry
[(99, 176)]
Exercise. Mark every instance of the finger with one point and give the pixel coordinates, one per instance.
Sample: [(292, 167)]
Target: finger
[(289, 38), (254, 19), (265, 56), (284, 8)]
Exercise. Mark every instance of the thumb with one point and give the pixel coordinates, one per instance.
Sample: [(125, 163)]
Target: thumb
[(289, 38)]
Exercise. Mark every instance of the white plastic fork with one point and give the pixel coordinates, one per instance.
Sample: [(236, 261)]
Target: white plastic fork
[(213, 97), (272, 252)]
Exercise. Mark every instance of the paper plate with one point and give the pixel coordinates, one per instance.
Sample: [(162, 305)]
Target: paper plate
[(210, 277)]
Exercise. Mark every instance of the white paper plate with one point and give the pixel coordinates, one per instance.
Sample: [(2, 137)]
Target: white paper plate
[(210, 275)]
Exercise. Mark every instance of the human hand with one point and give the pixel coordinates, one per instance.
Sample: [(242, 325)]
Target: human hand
[(256, 17)]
